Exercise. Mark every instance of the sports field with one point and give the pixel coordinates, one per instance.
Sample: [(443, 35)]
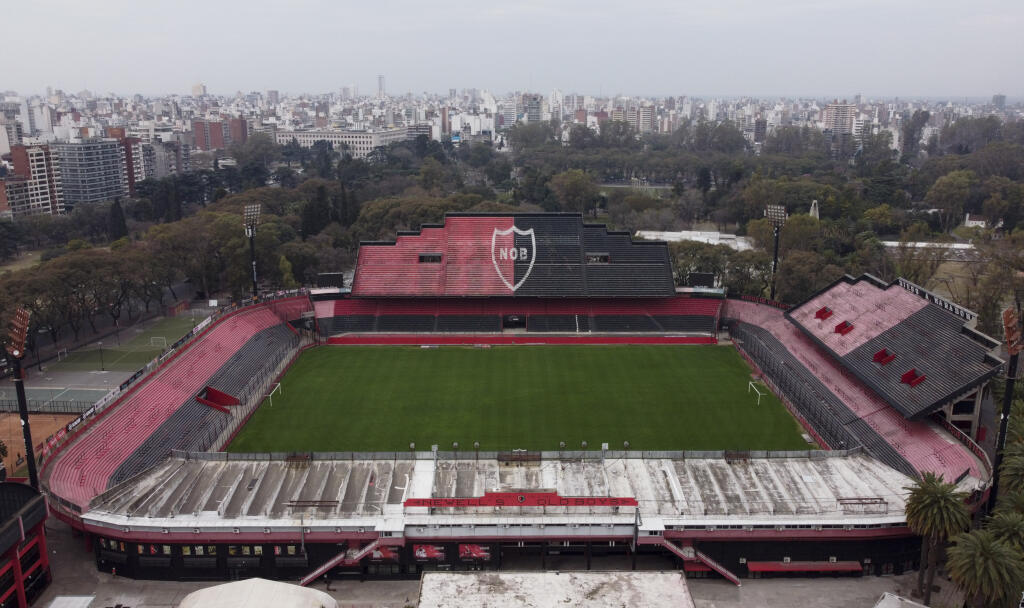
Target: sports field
[(132, 348), (369, 398)]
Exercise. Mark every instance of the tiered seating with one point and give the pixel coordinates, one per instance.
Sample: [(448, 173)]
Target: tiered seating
[(290, 309), (468, 323), (395, 269), (83, 469), (468, 265), (930, 357), (195, 426), (405, 323), (686, 323), (550, 260), (922, 444), (680, 314), (869, 308), (626, 323), (557, 323)]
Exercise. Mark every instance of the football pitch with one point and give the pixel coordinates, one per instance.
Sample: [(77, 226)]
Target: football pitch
[(368, 398), (131, 349)]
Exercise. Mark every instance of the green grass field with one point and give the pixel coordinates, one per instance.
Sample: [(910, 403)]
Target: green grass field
[(367, 398), (134, 351)]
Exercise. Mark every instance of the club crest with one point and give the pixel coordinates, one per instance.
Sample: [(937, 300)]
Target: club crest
[(504, 250)]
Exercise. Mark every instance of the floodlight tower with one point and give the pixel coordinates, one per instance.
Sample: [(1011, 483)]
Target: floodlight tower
[(251, 220), (15, 352), (1014, 346), (776, 215)]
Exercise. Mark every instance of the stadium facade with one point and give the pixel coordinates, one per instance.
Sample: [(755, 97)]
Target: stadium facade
[(142, 476)]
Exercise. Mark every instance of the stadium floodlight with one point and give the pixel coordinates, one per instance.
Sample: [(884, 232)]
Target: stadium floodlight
[(625, 445), (15, 353), (251, 219), (1012, 332), (776, 215), (584, 444), (476, 447), (455, 446)]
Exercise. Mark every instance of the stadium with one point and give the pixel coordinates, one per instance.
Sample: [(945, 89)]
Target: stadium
[(500, 390)]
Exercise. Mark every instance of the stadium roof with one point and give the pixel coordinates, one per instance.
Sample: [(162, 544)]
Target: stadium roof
[(208, 492), (913, 349), (554, 589), (523, 254)]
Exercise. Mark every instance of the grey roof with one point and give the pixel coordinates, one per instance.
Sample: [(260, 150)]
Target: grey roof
[(932, 342)]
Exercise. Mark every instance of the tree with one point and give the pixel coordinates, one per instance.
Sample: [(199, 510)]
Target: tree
[(987, 569), (575, 190), (258, 148), (286, 177), (431, 174), (949, 194), (316, 214), (1008, 526), (912, 130), (880, 218), (935, 511), (117, 227), (801, 274)]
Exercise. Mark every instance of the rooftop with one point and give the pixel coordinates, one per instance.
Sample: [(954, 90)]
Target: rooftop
[(678, 489), (554, 589)]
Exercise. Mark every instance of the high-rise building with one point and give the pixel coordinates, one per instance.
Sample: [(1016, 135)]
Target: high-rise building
[(999, 101), (838, 117), (446, 124), (13, 195), (760, 130), (380, 86), (92, 171), (532, 104), (219, 134), (645, 119), (41, 169), (273, 97), (198, 90), (134, 161)]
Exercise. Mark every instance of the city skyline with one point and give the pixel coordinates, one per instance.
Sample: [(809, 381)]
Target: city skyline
[(790, 48)]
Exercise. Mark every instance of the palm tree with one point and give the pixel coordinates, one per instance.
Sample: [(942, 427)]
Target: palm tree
[(988, 570), (935, 511), (1011, 502), (1008, 526), (1011, 473)]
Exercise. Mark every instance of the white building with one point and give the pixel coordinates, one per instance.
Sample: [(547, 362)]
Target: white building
[(358, 143)]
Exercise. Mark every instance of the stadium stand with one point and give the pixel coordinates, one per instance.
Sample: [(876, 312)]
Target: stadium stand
[(195, 426), (528, 254), (930, 358), (911, 446), (468, 323), (85, 468), (677, 314)]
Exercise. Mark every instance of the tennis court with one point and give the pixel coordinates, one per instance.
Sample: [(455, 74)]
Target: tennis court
[(54, 400)]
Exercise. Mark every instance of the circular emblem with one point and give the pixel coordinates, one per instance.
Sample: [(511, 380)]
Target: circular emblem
[(522, 498)]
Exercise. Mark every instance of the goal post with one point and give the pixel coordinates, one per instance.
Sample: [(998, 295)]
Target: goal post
[(158, 341), (276, 389), (62, 354), (753, 385)]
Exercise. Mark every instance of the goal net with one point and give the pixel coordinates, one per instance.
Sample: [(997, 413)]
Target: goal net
[(751, 386), (62, 354)]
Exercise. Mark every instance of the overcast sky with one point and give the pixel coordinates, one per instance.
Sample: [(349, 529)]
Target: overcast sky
[(821, 48)]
